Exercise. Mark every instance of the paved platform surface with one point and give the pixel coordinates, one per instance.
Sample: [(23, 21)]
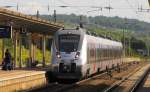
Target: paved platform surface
[(17, 80), (131, 59)]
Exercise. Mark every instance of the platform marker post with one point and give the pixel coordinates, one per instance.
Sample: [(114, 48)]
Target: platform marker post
[(15, 49), (43, 49), (20, 52)]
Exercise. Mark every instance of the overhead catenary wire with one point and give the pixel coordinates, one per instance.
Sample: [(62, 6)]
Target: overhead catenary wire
[(71, 6), (64, 2), (138, 4), (76, 6), (68, 5), (84, 8), (133, 8), (130, 5)]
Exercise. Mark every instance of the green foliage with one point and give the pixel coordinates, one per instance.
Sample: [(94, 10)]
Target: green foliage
[(102, 22), (134, 32), (137, 44)]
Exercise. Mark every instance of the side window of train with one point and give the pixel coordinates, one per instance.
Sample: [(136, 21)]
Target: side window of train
[(113, 53), (96, 52), (102, 52), (95, 48), (93, 53), (88, 54), (116, 52), (120, 52), (99, 54), (109, 53), (106, 52)]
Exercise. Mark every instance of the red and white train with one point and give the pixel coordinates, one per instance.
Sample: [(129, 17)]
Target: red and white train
[(76, 54)]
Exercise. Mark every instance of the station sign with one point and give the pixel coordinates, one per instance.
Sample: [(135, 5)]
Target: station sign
[(5, 31)]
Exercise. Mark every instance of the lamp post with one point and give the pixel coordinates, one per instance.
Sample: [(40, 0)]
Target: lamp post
[(129, 43), (124, 44), (129, 50), (55, 16), (147, 46)]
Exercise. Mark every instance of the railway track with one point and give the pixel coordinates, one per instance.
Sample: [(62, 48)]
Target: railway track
[(117, 83), (142, 85), (98, 83), (131, 82)]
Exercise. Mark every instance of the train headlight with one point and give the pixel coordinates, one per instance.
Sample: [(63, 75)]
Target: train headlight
[(77, 55), (58, 55)]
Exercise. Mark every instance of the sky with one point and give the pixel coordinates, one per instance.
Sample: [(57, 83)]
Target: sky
[(121, 8)]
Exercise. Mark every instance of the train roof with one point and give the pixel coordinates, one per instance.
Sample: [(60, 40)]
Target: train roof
[(73, 31), (101, 39)]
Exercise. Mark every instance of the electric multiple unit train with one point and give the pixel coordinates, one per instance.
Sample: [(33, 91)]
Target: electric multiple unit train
[(76, 54)]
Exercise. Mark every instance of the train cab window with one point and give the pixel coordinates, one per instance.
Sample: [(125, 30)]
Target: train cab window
[(68, 42)]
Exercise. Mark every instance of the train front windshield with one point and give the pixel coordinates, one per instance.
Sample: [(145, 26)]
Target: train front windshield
[(68, 42)]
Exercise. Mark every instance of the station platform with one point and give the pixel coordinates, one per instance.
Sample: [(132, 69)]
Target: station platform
[(131, 59), (21, 79)]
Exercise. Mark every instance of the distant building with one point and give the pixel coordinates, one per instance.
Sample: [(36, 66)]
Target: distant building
[(143, 52)]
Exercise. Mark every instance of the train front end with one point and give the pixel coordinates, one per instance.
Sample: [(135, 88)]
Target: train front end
[(67, 54)]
